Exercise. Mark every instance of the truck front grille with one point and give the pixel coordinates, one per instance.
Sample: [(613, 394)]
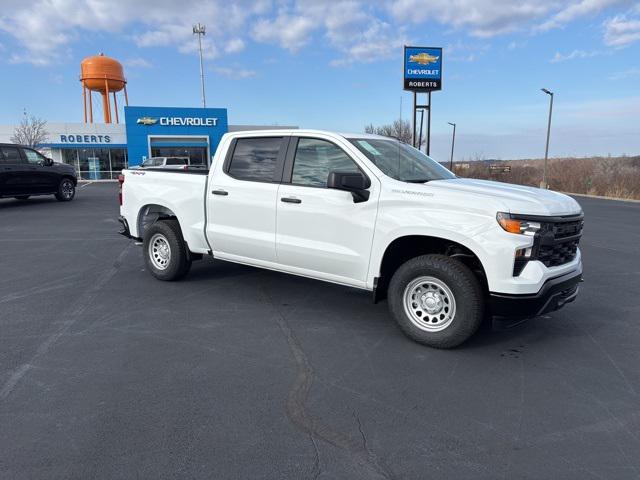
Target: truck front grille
[(559, 254), (556, 243)]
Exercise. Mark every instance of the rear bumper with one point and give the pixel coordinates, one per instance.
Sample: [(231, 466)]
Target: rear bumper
[(554, 294), (124, 228)]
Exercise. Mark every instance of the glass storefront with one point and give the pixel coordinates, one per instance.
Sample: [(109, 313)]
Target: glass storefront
[(96, 163), (196, 155)]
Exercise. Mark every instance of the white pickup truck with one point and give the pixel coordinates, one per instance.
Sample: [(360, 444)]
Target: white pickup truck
[(367, 212)]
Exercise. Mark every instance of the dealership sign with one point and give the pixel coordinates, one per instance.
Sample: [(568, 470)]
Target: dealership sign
[(85, 138), (179, 121), (422, 69)]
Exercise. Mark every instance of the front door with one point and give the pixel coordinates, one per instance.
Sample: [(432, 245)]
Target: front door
[(321, 230), (41, 177), (241, 201)]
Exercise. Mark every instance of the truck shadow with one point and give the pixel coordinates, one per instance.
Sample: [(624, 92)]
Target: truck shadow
[(15, 203), (335, 303)]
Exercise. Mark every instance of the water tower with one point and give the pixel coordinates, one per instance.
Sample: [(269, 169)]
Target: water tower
[(105, 75)]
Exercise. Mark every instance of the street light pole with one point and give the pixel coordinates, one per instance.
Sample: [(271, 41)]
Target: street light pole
[(544, 183), (453, 142), (200, 30)]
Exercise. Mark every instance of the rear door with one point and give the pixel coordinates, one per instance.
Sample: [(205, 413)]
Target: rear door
[(13, 172), (241, 199), (321, 230)]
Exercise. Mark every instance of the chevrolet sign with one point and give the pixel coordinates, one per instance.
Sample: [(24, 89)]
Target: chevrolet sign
[(189, 121), (146, 121), (422, 69)]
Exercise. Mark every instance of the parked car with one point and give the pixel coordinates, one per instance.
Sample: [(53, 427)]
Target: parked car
[(368, 212), (176, 163), (25, 172)]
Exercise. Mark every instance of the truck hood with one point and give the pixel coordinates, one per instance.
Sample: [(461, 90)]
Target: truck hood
[(517, 199)]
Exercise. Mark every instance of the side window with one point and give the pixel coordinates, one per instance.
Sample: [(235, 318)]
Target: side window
[(255, 159), (33, 157), (315, 159), (11, 155)]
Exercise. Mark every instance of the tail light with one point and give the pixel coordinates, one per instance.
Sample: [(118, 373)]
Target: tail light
[(120, 182)]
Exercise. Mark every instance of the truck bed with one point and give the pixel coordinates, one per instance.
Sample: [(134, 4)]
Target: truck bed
[(181, 193)]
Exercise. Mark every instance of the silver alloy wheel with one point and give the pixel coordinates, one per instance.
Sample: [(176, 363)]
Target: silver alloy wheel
[(67, 189), (429, 303), (159, 251)]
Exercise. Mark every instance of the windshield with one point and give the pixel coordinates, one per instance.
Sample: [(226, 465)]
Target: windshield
[(401, 161)]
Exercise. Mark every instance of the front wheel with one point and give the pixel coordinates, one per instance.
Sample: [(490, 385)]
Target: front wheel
[(165, 251), (436, 300), (66, 190)]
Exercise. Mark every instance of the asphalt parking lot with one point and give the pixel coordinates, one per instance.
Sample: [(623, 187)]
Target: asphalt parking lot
[(242, 373)]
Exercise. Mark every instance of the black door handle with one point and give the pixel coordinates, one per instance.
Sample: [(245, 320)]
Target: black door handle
[(220, 192), (290, 200)]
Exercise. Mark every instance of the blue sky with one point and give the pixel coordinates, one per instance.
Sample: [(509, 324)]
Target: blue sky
[(338, 65)]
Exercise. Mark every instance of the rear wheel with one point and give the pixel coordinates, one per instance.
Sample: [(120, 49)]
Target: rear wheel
[(165, 251), (22, 197), (66, 190), (436, 301)]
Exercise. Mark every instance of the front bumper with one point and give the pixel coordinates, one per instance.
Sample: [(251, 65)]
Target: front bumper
[(554, 294)]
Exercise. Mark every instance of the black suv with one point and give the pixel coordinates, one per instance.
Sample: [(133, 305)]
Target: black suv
[(25, 172)]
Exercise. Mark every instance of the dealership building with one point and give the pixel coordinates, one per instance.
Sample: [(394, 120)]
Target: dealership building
[(99, 151)]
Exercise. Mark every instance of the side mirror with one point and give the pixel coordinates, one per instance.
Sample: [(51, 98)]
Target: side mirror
[(48, 162), (354, 182)]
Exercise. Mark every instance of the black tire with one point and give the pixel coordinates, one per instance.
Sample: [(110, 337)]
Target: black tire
[(178, 262), (66, 190), (467, 304), (22, 197)]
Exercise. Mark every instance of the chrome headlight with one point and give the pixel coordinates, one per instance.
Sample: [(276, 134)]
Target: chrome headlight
[(512, 224)]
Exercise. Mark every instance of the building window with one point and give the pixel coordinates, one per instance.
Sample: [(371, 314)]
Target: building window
[(70, 157), (118, 161), (196, 155)]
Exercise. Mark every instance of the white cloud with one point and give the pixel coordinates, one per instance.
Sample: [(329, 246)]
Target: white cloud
[(235, 72), (288, 31), (138, 62), (56, 25), (482, 18), (359, 30), (622, 30), (576, 10), (465, 52), (376, 42), (558, 57), (234, 45), (633, 72)]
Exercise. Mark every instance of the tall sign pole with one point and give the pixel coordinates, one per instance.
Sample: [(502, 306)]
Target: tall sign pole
[(544, 183), (200, 30), (422, 74), (453, 142)]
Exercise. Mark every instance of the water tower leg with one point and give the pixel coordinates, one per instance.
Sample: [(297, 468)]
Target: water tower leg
[(115, 106), (126, 97), (90, 108), (106, 104), (84, 102)]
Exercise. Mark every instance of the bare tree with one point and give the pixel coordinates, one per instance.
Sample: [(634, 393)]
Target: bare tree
[(400, 129), (31, 132)]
